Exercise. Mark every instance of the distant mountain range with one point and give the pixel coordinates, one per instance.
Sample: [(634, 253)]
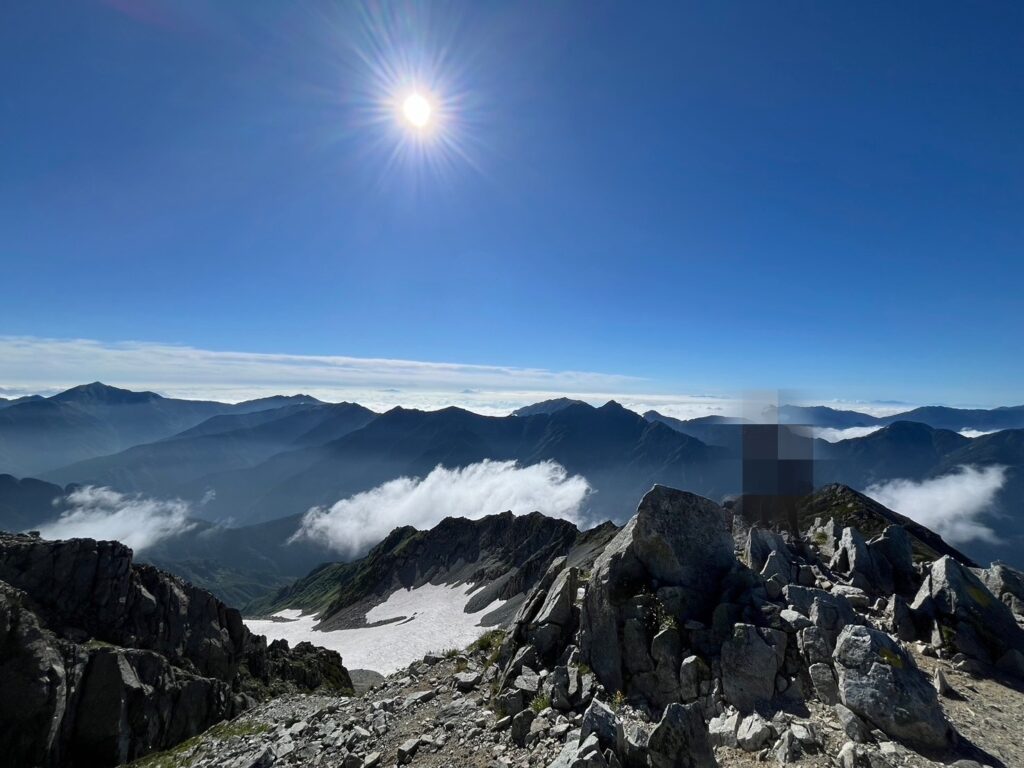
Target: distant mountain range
[(251, 470), (42, 434)]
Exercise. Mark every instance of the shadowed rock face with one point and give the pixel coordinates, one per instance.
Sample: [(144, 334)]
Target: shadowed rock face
[(103, 661), (677, 544)]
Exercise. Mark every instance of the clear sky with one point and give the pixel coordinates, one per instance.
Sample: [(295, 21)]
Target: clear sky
[(704, 196)]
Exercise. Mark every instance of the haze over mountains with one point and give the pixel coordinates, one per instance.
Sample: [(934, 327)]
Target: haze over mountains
[(249, 472)]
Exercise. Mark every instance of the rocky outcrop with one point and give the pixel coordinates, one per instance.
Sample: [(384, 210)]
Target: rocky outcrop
[(965, 616), (1007, 584), (103, 661), (662, 570), (681, 646), (880, 682)]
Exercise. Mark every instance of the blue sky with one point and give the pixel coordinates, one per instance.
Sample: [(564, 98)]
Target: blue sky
[(702, 197)]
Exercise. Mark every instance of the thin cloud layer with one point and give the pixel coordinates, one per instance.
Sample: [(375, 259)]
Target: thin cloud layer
[(950, 505), (353, 524), (102, 513), (972, 433), (834, 435), (46, 366)]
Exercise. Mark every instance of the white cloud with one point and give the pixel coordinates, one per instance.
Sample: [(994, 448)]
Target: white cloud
[(834, 435), (474, 491), (950, 504), (45, 366), (101, 513), (977, 432)]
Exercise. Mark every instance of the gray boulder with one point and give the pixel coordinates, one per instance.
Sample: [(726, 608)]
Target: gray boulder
[(750, 660), (760, 545), (826, 611), (680, 739), (892, 549), (972, 619), (1007, 584), (521, 726), (676, 540), (753, 732), (879, 681), (854, 558), (600, 721)]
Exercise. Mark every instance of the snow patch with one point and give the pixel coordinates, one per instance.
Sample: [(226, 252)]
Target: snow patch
[(424, 619)]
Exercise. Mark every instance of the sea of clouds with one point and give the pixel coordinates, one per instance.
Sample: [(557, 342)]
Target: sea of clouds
[(101, 513), (485, 488), (950, 505)]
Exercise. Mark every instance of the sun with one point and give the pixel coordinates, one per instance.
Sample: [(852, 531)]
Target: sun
[(417, 110)]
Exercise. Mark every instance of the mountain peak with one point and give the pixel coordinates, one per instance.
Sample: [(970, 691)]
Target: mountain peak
[(98, 392), (548, 406)]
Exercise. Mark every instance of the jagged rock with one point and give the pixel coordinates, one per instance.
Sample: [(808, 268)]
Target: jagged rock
[(34, 681), (879, 681), (794, 619), (418, 698), (752, 733), (852, 726), (777, 568), (749, 664), (528, 682), (676, 540), (787, 749), (761, 543), (589, 755), (814, 646), (971, 618), (901, 619), (680, 739), (892, 551), (556, 621), (467, 681), (825, 536), (722, 728), (103, 661), (600, 721), (631, 744), (854, 558), (859, 756), (691, 673), (521, 726), (407, 750), (828, 612), (1007, 584), (824, 682), (942, 686), (512, 701)]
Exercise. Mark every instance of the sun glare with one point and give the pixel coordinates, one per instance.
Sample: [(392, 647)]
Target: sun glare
[(416, 110)]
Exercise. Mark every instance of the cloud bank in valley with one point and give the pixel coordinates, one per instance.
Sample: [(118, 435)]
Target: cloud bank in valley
[(101, 513), (834, 435), (489, 487), (972, 433), (950, 505)]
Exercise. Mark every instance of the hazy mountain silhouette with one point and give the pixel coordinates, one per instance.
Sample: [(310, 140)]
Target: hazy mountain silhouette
[(95, 420), (222, 443)]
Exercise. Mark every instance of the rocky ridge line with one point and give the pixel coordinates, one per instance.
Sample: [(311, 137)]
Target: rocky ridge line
[(103, 660), (676, 650)]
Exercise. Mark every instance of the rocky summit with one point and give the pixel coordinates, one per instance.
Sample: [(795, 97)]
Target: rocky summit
[(693, 638), (103, 660)]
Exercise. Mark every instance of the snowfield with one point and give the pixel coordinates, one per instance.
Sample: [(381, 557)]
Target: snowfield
[(434, 620)]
